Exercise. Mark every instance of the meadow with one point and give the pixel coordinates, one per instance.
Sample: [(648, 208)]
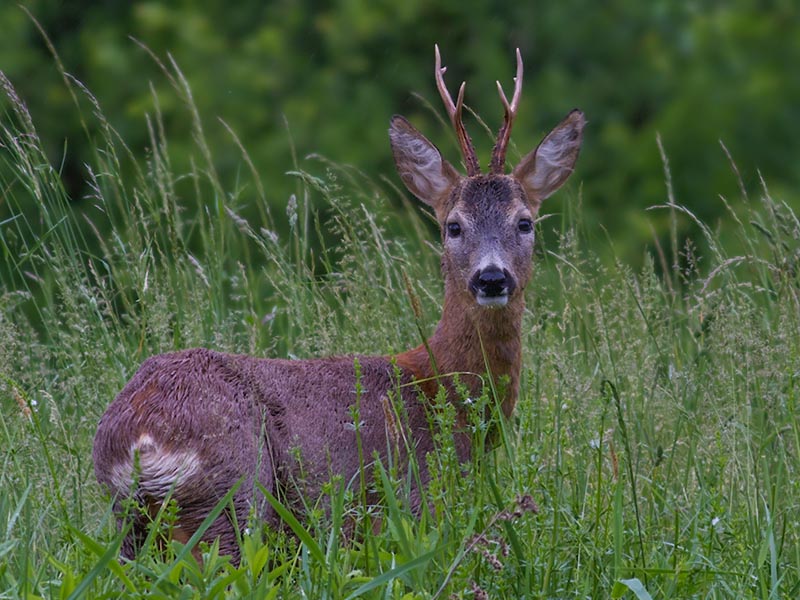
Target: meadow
[(654, 448)]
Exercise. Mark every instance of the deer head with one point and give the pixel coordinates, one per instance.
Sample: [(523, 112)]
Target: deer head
[(486, 220)]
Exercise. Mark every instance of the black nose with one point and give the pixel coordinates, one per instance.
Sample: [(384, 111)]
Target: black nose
[(492, 282)]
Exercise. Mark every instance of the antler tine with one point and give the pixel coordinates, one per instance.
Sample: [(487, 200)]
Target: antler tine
[(512, 108), (499, 153), (454, 112), (439, 72)]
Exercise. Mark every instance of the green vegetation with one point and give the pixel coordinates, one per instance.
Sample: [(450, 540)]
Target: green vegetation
[(656, 429), (695, 72)]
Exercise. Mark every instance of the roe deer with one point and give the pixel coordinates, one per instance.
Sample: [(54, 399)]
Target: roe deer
[(190, 425)]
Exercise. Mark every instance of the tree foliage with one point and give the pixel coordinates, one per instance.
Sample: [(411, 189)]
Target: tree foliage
[(325, 77)]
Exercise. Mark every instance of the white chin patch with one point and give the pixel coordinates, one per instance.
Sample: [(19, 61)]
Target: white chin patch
[(492, 301)]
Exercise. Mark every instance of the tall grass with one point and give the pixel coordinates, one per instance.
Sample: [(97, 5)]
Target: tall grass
[(656, 430)]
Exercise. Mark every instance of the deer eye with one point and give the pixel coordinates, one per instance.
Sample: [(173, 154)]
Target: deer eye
[(453, 229), (525, 225)]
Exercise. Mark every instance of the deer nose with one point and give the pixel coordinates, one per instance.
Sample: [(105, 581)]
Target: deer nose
[(492, 281), (492, 286)]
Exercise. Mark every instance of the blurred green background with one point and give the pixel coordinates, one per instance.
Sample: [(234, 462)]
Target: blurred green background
[(335, 71)]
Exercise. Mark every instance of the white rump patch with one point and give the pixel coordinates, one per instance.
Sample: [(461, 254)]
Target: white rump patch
[(158, 471)]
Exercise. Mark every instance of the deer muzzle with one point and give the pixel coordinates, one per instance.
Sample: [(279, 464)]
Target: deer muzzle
[(492, 286)]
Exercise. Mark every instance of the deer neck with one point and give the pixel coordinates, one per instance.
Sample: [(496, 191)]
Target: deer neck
[(471, 341)]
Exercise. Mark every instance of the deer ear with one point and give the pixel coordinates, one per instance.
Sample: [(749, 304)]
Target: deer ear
[(545, 169), (420, 164)]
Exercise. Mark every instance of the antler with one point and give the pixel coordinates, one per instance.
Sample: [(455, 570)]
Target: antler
[(454, 112), (499, 153)]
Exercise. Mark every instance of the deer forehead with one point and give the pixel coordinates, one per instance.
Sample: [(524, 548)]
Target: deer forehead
[(489, 199)]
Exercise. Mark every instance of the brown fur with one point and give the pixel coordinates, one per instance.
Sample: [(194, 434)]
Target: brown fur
[(189, 425)]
